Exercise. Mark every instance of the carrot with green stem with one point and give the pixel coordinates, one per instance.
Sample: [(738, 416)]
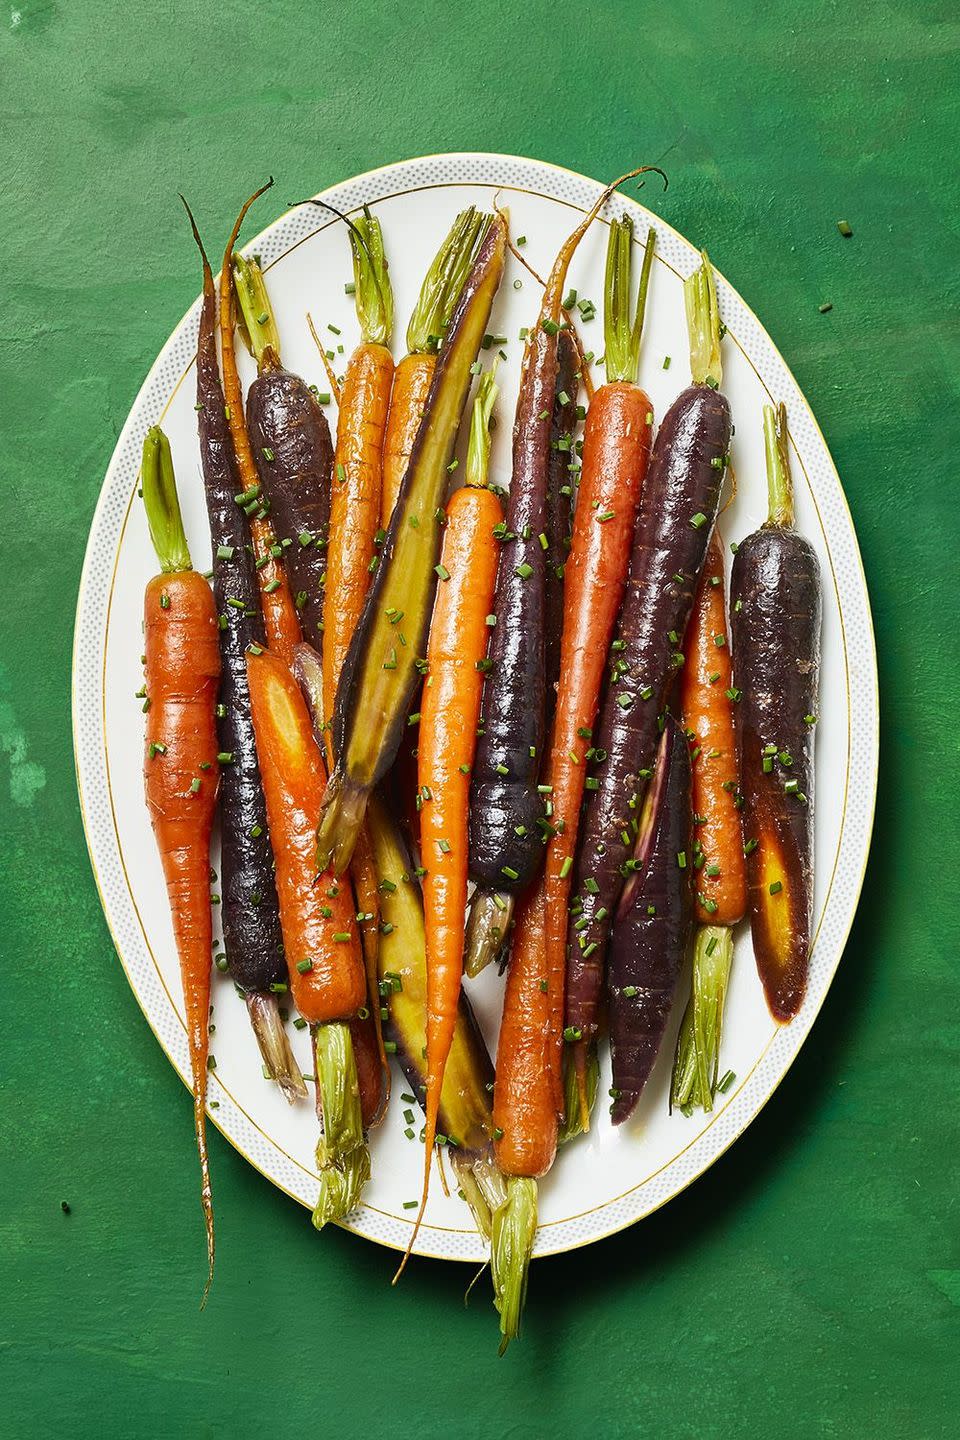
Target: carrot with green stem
[(777, 610), (616, 452), (249, 913), (449, 711), (358, 459), (180, 766), (292, 448), (294, 456), (706, 685), (428, 326), (279, 614), (321, 939), (355, 517)]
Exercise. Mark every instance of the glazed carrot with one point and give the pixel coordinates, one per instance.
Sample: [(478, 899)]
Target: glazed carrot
[(354, 520), (705, 683), (294, 457), (180, 766), (450, 709), (358, 461), (428, 325), (249, 914), (320, 935), (616, 451), (373, 1069), (279, 615)]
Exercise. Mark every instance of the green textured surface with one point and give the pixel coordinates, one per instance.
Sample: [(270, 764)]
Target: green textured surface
[(810, 1283)]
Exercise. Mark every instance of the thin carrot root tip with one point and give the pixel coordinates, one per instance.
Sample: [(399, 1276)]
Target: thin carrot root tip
[(514, 1231), (490, 915), (278, 1058), (344, 806)]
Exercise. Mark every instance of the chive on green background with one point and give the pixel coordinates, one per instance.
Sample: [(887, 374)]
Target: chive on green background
[(810, 1283)]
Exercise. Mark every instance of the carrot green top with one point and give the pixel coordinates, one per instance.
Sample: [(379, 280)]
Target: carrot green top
[(374, 297), (442, 284), (478, 446), (161, 503), (703, 325), (621, 336), (779, 484), (256, 312)]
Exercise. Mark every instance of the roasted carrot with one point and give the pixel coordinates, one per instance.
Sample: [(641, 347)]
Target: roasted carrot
[(358, 460), (180, 765), (249, 912), (777, 597), (450, 709), (320, 935), (428, 326), (294, 457), (706, 682), (279, 614), (366, 1029), (354, 520), (616, 451)]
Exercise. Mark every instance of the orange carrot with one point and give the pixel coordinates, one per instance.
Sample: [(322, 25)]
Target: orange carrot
[(411, 386), (524, 1107), (705, 683), (358, 462), (318, 919), (450, 709), (528, 1093), (354, 519), (182, 670), (616, 451), (319, 923), (279, 613), (428, 325)]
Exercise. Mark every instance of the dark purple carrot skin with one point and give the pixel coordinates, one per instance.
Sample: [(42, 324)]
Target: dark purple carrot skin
[(647, 950), (294, 454), (250, 914), (559, 509), (513, 709), (670, 543), (775, 623)]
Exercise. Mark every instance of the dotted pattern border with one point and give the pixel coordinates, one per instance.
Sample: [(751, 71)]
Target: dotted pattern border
[(89, 738)]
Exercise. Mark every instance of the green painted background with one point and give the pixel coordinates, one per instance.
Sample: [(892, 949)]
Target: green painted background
[(810, 1284)]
